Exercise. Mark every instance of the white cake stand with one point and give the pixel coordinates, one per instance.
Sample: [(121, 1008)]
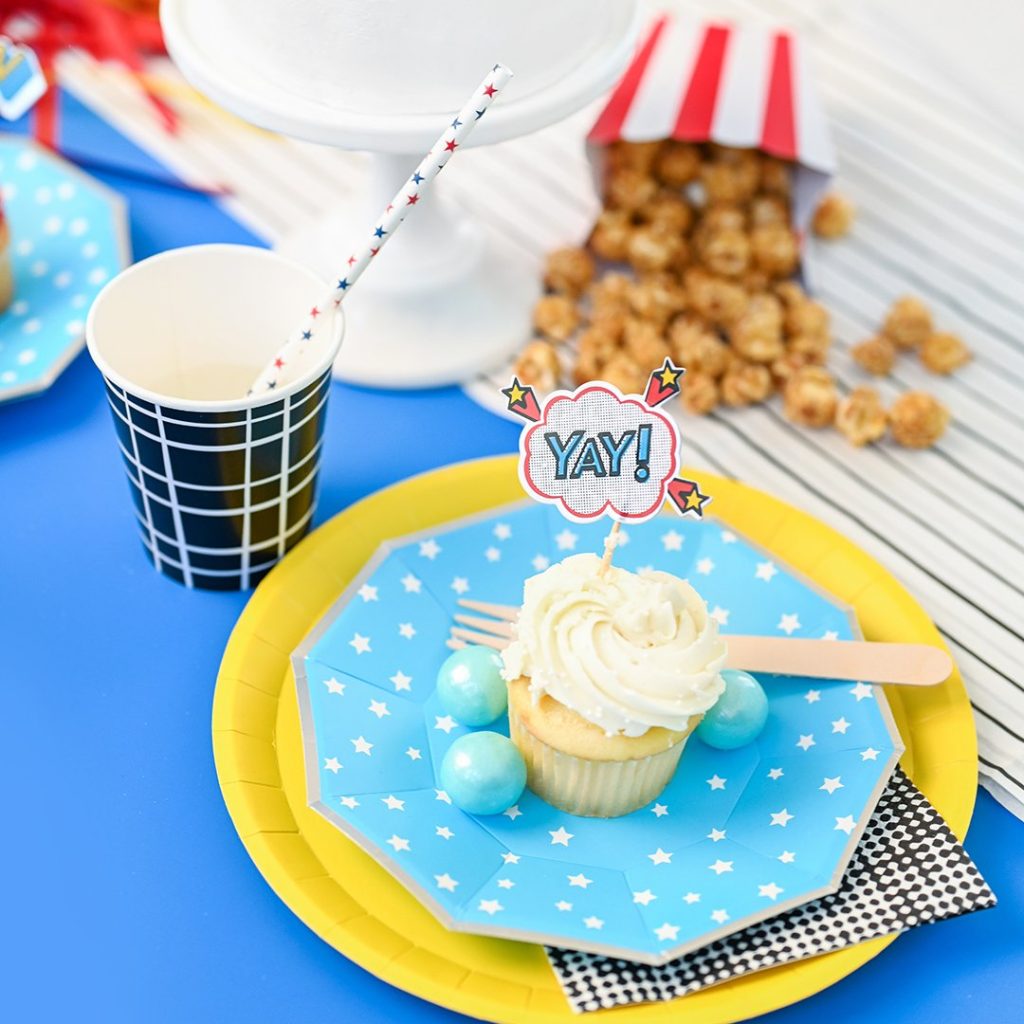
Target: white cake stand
[(447, 299)]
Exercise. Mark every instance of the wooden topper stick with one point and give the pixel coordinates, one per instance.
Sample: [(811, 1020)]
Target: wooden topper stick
[(609, 546)]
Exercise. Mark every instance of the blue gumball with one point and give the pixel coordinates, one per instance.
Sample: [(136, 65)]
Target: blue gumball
[(483, 773), (470, 686), (738, 716)]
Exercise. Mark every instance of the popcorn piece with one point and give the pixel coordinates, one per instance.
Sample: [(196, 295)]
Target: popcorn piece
[(917, 420), (626, 374), (720, 217), (726, 252), (596, 348), (732, 176), (668, 211), (807, 318), (556, 317), (638, 156), (653, 248), (611, 234), (677, 164), (629, 189), (644, 343), (755, 281), (775, 249), (790, 293), (875, 354), (908, 323), (697, 348), (699, 393), (538, 365), (766, 209), (611, 292), (657, 298), (746, 384), (812, 347), (569, 271), (834, 216), (944, 353), (714, 298), (860, 416), (785, 366), (757, 334), (810, 397), (776, 177)]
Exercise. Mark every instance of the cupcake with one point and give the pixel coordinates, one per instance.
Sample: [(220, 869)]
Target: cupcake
[(6, 277), (609, 673)]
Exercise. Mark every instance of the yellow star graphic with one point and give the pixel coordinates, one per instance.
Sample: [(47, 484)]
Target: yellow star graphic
[(515, 394), (667, 376), (694, 500)]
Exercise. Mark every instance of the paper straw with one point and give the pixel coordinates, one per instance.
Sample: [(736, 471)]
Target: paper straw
[(393, 215)]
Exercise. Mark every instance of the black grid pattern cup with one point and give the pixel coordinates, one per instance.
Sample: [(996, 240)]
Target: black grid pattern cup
[(223, 484)]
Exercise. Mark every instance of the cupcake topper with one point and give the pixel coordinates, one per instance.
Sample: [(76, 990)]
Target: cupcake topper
[(595, 451), (22, 81)]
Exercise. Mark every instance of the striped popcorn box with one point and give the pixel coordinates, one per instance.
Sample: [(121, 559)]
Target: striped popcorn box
[(223, 483), (744, 86)]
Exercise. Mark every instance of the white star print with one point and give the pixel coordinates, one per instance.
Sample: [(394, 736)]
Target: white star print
[(593, 922), (406, 629), (490, 906), (360, 643), (440, 794), (361, 746), (720, 615), (846, 824), (782, 817), (411, 583), (862, 691), (513, 812), (510, 858), (659, 810), (667, 932), (787, 857), (413, 753), (660, 857), (644, 897), (397, 843), (728, 537), (506, 883), (367, 593), (429, 549), (812, 696), (775, 773), (692, 897), (641, 569), (559, 837), (672, 541), (789, 624), (563, 905), (716, 835), (378, 708), (332, 764), (840, 725), (831, 785), (869, 754), (392, 803), (443, 832), (715, 782), (492, 554), (401, 681), (720, 867), (333, 686), (460, 584), (719, 916), (765, 571), (771, 890), (830, 634), (444, 722), (445, 881), (805, 742), (580, 881), (540, 562), (705, 566), (350, 802), (621, 538), (502, 531), (566, 540)]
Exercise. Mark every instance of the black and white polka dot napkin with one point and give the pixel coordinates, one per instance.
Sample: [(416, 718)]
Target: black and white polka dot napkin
[(907, 870)]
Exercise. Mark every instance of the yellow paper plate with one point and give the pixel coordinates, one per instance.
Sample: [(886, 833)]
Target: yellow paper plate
[(356, 906)]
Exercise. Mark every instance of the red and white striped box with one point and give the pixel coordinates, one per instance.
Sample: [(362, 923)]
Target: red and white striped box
[(738, 85)]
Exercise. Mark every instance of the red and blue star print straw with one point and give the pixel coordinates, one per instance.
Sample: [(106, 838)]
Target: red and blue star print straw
[(393, 215)]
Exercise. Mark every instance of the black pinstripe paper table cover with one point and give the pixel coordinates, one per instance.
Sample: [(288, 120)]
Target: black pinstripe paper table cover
[(908, 870)]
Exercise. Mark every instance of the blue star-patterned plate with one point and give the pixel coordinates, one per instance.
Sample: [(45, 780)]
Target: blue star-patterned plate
[(69, 236), (737, 836)]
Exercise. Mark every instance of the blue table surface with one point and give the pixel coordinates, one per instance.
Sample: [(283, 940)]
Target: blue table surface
[(127, 895)]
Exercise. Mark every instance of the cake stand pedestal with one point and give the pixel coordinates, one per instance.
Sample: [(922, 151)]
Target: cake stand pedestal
[(447, 298)]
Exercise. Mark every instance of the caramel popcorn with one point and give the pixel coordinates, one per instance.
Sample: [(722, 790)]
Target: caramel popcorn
[(807, 318), (757, 334), (943, 353), (638, 156), (611, 291), (670, 211), (834, 216), (652, 248), (697, 348), (811, 347), (569, 271), (626, 374), (765, 209), (754, 281), (628, 189), (726, 252), (714, 298), (657, 298), (699, 393), (721, 217), (810, 397), (732, 176), (610, 320), (917, 420), (790, 293), (776, 177), (538, 365), (774, 249), (611, 234), (875, 354), (908, 323), (785, 366), (860, 416), (556, 317), (645, 343), (746, 384), (596, 347), (677, 164)]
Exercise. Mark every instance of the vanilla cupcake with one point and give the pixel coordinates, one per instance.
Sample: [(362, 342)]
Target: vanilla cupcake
[(608, 675)]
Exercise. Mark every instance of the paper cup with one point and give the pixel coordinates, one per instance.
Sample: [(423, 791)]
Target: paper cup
[(223, 484)]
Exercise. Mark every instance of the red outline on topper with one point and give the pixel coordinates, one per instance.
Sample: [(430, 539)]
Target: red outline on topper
[(558, 500)]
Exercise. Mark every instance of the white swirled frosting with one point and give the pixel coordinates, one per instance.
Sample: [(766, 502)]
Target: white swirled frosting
[(626, 651)]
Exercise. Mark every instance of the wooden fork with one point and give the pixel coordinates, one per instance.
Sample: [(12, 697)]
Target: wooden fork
[(863, 661)]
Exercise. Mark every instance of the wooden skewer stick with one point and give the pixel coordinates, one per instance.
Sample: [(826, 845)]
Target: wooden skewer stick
[(609, 546)]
